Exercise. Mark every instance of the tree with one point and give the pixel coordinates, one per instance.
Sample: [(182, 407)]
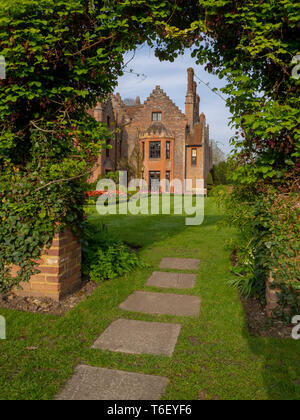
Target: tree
[(129, 101), (218, 154), (219, 173), (62, 57), (134, 165), (209, 182), (252, 44)]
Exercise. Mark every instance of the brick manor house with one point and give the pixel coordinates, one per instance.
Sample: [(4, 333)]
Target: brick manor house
[(173, 145)]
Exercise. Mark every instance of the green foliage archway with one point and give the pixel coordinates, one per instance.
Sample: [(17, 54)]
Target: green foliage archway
[(63, 55)]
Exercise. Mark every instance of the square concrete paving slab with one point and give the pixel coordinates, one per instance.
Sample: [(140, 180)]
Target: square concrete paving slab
[(172, 280), (137, 337), (162, 303), (180, 263), (92, 383)]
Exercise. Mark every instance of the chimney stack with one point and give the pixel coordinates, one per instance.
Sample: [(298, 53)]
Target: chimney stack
[(190, 80), (198, 107), (190, 101)]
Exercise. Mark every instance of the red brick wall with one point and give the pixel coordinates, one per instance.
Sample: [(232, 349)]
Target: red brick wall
[(194, 172), (162, 165), (134, 120), (104, 112), (172, 118), (60, 268)]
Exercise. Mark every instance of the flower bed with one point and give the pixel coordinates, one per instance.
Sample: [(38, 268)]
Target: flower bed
[(94, 195)]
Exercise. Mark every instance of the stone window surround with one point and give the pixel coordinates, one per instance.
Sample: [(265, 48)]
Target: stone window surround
[(145, 144), (157, 114)]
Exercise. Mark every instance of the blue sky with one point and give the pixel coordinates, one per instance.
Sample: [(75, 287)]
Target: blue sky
[(172, 78)]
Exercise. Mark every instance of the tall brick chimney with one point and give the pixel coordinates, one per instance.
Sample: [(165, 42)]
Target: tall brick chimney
[(190, 80), (197, 108), (190, 97)]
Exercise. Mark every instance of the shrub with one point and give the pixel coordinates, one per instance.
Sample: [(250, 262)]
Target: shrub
[(104, 258), (268, 241), (219, 173), (62, 57)]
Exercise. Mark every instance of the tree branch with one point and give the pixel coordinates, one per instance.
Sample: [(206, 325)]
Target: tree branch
[(59, 181)]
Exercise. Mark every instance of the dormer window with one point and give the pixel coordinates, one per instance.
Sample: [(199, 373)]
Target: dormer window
[(156, 116)]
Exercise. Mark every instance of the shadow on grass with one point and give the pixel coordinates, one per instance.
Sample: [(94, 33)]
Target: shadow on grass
[(280, 365)]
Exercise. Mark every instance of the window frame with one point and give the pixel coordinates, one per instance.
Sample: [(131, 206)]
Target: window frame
[(168, 150), (157, 178), (194, 157), (168, 181), (108, 143), (159, 116), (151, 150)]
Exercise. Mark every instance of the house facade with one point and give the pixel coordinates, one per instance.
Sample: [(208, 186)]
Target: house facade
[(172, 144)]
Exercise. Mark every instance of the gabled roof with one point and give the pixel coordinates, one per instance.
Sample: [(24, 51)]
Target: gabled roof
[(159, 92)]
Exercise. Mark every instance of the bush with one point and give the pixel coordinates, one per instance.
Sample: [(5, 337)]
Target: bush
[(104, 258), (219, 173), (268, 240)]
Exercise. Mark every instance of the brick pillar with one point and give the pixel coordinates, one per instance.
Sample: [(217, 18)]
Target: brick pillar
[(60, 268), (271, 296)]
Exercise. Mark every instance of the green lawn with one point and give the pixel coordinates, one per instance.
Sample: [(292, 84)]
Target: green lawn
[(215, 355)]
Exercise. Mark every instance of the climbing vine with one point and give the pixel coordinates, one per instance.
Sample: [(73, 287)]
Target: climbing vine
[(61, 57), (253, 44)]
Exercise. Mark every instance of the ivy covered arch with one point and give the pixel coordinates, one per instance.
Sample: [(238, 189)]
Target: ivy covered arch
[(63, 55)]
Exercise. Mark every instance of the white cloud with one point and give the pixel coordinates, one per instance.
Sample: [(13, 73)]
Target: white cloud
[(172, 78)]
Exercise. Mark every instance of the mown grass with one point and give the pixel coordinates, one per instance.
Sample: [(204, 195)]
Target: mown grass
[(215, 356)]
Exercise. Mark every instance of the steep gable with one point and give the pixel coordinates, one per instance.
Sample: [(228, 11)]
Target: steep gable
[(158, 98)]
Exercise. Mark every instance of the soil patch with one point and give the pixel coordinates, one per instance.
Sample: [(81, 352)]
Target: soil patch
[(260, 325), (46, 305)]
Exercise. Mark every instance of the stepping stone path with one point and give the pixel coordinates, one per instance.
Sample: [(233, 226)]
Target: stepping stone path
[(92, 383), (137, 337), (172, 280), (162, 304)]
